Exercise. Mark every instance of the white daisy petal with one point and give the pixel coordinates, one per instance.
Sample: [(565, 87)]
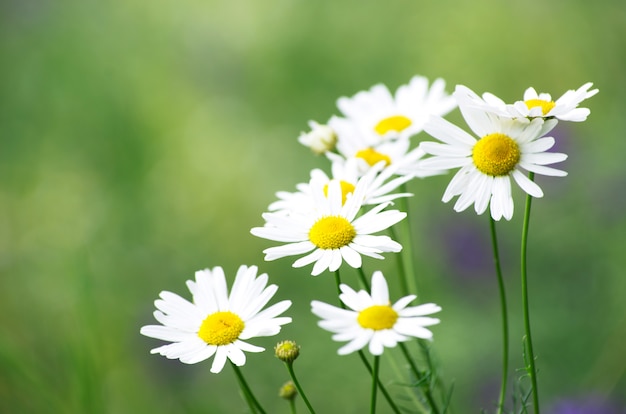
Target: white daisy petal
[(200, 355), (351, 256), (530, 187), (544, 158), (539, 145), (420, 310), (380, 291), (219, 360), (356, 344), (401, 304), (166, 333), (542, 169)]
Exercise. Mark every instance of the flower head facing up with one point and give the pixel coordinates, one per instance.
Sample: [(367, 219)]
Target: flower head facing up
[(488, 161), (376, 115), (381, 187), (331, 231), (216, 323), (565, 108), (533, 105), (371, 320)]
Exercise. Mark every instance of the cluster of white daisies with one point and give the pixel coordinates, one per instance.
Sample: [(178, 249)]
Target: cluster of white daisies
[(337, 217)]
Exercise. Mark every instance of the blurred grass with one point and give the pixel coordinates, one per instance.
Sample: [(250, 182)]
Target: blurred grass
[(140, 141)]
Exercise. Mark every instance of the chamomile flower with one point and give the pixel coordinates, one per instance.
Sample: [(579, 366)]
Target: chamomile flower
[(379, 190), (534, 104), (331, 232), (371, 320), (503, 148), (565, 108), (377, 115), (396, 154), (215, 323)]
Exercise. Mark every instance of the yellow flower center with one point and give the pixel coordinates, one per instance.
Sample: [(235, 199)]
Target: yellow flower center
[(546, 106), (393, 123), (378, 317), (373, 157), (496, 154), (332, 232), (346, 188), (221, 328)]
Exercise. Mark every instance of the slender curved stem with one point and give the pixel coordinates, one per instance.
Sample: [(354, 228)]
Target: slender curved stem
[(408, 277), (420, 378), (374, 384), (367, 365), (338, 284), (253, 403), (363, 278), (505, 322), (292, 373), (531, 369)]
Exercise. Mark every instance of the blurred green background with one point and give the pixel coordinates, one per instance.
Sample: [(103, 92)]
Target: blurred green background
[(141, 140)]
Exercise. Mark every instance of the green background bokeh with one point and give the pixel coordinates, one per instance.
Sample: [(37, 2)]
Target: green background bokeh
[(141, 140)]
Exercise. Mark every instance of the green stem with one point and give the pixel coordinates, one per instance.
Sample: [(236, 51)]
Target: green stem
[(338, 284), (420, 379), (408, 277), (505, 322), (252, 401), (374, 383), (298, 387), (292, 405), (531, 369), (382, 388), (363, 278)]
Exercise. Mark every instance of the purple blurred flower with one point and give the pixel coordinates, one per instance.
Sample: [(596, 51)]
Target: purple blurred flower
[(587, 405)]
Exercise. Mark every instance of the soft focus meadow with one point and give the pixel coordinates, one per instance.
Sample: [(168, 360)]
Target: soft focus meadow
[(142, 140)]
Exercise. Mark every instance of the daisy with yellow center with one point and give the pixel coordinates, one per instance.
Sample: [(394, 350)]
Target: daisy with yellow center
[(397, 156), (382, 185), (217, 324), (372, 320), (376, 115), (502, 148), (565, 108), (331, 231), (534, 105)]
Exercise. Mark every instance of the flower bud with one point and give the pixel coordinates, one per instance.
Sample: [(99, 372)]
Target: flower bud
[(287, 351), (320, 140), (288, 391)]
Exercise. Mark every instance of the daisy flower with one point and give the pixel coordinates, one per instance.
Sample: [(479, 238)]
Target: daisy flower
[(565, 108), (331, 232), (371, 319), (378, 191), (534, 104), (396, 154), (504, 146), (378, 115), (216, 323)]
